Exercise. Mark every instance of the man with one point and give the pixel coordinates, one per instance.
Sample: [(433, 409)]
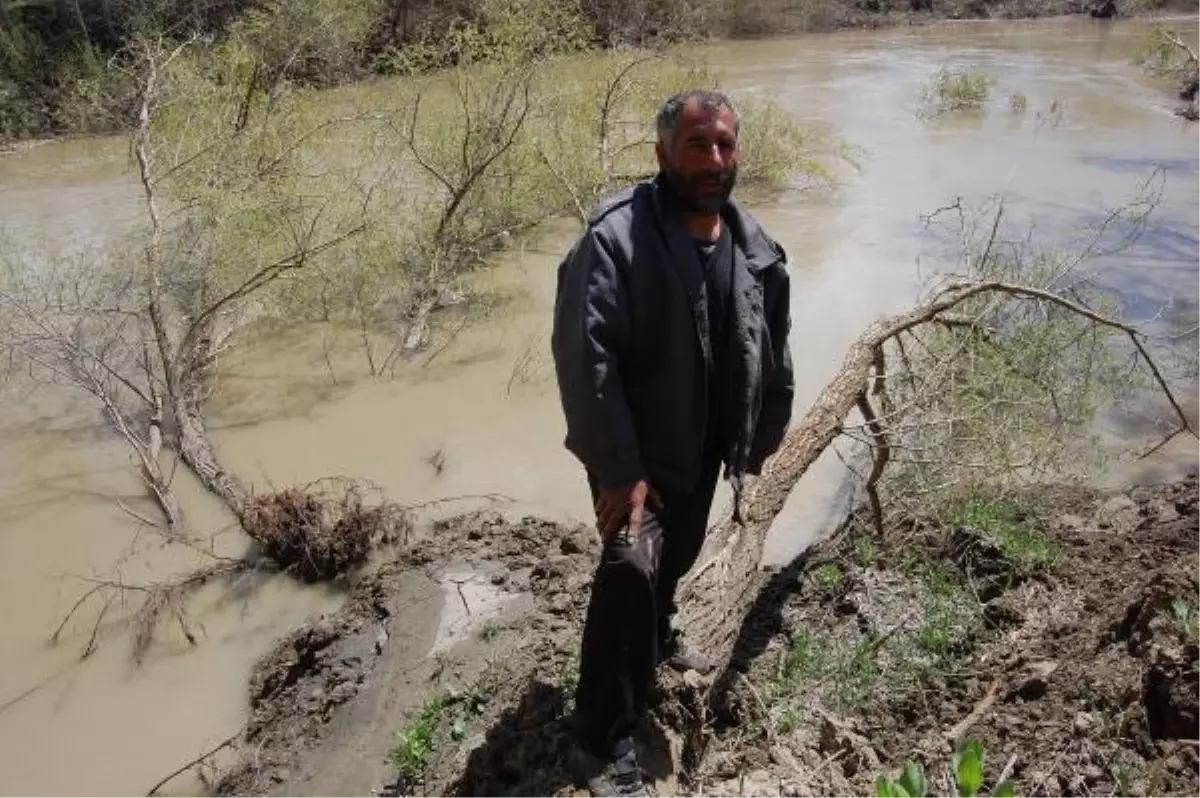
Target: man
[(670, 347)]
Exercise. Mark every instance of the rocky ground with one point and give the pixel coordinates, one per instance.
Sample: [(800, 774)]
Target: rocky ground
[(1060, 634)]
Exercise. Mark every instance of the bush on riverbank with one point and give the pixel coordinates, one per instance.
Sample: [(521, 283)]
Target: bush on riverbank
[(65, 68)]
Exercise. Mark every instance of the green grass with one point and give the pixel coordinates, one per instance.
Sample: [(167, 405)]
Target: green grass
[(1185, 619), (806, 660), (866, 552), (1027, 547), (851, 669), (829, 576), (416, 741), (567, 675), (940, 581), (935, 637)]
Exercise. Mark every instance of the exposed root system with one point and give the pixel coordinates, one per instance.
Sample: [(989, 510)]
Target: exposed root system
[(320, 531)]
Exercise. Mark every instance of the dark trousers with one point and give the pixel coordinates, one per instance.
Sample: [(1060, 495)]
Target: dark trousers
[(629, 616)]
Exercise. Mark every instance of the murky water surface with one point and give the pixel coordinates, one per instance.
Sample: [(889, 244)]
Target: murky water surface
[(103, 727)]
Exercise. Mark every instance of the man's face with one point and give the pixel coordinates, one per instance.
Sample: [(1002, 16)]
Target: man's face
[(701, 159)]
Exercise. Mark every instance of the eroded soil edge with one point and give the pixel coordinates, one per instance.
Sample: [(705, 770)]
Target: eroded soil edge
[(1068, 649)]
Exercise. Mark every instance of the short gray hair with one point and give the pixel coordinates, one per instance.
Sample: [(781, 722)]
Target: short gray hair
[(711, 101)]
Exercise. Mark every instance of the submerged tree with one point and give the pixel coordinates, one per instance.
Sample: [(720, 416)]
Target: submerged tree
[(228, 211)]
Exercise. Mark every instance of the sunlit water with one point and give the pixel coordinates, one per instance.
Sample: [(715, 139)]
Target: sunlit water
[(105, 727)]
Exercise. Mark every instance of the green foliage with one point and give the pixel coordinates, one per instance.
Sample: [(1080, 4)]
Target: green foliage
[(805, 659), (498, 31), (966, 765), (416, 741), (235, 168), (829, 576), (317, 41), (1007, 390), (952, 90), (567, 675), (1161, 54), (775, 149), (1018, 103), (949, 614), (1186, 620), (1027, 547), (910, 782), (443, 717), (594, 129)]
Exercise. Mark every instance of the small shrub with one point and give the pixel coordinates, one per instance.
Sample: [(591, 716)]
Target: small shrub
[(1018, 103), (954, 91), (829, 576), (775, 148)]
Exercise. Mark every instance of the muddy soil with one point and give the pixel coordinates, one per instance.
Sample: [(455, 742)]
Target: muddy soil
[(328, 702), (1078, 675)]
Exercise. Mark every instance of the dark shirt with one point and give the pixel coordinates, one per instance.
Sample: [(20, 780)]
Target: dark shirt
[(716, 257)]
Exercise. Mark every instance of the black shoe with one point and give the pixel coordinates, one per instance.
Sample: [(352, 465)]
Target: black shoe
[(618, 776), (676, 653)]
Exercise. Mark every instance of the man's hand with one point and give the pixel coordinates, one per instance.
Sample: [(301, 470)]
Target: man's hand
[(616, 505)]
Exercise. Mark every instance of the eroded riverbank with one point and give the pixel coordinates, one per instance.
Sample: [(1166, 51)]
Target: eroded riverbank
[(1062, 637)]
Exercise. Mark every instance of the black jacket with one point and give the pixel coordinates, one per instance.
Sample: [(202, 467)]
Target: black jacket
[(630, 345)]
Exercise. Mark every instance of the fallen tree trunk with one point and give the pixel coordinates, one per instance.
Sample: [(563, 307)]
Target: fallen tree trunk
[(721, 590)]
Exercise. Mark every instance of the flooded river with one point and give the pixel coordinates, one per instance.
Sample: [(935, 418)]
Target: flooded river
[(104, 727)]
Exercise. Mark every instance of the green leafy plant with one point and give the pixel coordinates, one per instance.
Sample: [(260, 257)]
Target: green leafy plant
[(567, 675), (910, 782), (1187, 622), (416, 741), (966, 765)]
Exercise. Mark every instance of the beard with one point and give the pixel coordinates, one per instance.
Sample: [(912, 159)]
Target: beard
[(702, 192)]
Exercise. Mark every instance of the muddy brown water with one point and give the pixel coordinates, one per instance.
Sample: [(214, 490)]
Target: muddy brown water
[(103, 727)]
